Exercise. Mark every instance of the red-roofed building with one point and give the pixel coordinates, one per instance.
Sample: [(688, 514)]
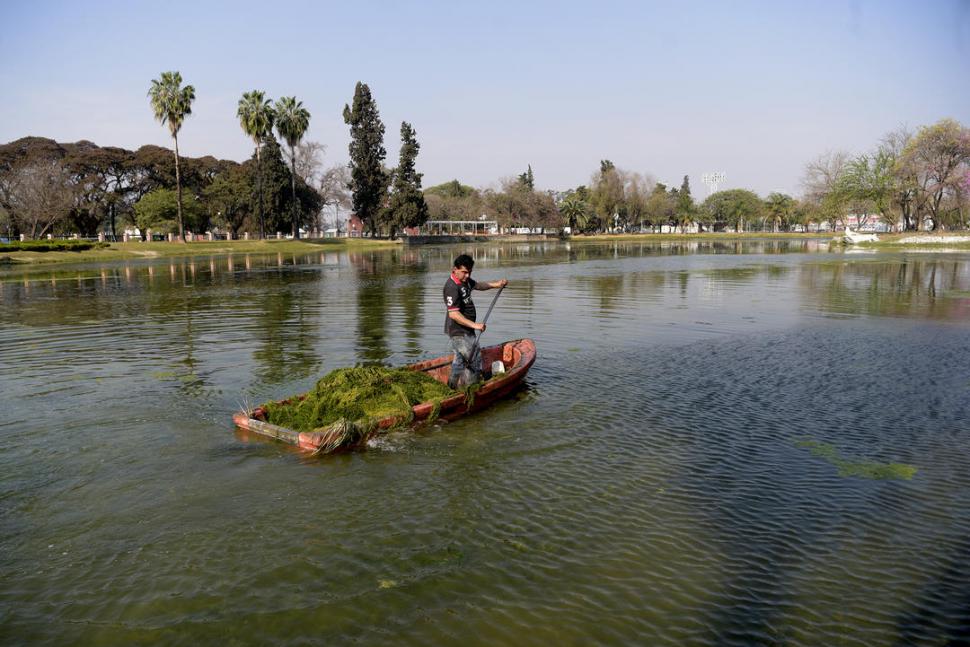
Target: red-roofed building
[(355, 227)]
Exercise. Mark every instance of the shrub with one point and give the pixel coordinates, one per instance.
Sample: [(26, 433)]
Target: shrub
[(158, 211), (50, 246)]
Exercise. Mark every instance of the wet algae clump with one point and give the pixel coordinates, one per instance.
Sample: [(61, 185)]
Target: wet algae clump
[(862, 469), (362, 395)]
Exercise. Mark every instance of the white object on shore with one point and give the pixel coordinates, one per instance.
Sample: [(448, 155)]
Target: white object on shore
[(929, 239), (855, 237)]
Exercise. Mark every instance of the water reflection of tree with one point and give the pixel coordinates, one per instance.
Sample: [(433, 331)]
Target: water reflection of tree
[(371, 314), (180, 296), (682, 280), (412, 295), (191, 379), (933, 288), (286, 336), (382, 278), (612, 289)]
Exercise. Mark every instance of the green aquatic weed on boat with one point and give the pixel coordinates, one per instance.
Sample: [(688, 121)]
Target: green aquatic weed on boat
[(358, 394)]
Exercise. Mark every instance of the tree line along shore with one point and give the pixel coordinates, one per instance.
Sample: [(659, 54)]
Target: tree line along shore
[(911, 181), (92, 252)]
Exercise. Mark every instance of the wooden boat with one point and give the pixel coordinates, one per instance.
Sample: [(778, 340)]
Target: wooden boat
[(517, 357)]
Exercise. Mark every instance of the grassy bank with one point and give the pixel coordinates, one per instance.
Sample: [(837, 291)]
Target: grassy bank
[(129, 251)]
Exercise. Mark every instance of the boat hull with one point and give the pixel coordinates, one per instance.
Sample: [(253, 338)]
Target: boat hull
[(517, 355)]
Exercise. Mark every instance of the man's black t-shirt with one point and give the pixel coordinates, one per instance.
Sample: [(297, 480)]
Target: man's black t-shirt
[(458, 296)]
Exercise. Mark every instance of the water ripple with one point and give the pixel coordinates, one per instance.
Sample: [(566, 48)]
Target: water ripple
[(652, 485)]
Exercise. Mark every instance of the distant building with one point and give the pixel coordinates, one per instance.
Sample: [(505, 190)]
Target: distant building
[(866, 222), (479, 227), (355, 227)]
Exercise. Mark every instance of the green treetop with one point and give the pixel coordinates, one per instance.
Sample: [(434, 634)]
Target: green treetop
[(368, 180), (406, 207)]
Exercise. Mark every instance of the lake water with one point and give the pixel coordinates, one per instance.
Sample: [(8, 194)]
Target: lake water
[(678, 469)]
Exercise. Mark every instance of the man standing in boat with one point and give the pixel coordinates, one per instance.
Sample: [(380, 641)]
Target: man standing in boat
[(460, 323)]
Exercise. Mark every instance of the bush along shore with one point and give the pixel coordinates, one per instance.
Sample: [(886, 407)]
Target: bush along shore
[(51, 246)]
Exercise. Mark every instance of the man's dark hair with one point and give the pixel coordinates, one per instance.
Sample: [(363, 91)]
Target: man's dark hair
[(465, 261)]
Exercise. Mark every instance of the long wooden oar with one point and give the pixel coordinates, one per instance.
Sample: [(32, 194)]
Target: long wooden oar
[(485, 320), (478, 336)]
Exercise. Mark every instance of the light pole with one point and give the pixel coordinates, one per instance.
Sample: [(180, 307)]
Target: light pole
[(712, 180)]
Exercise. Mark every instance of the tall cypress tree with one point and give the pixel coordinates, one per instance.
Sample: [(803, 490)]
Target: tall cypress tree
[(278, 198), (407, 207), (685, 204), (271, 184), (368, 181)]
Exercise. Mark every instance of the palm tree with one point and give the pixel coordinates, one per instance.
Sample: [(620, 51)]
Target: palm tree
[(292, 121), (779, 207), (171, 104), (575, 211), (256, 116)]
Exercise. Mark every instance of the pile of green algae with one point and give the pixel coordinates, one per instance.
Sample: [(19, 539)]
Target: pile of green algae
[(362, 395)]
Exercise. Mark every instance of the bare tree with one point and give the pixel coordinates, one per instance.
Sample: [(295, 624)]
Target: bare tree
[(821, 182), (935, 158), (334, 190), (822, 174), (309, 161), (606, 193), (636, 191), (454, 207), (515, 204), (39, 196), (904, 186), (6, 222)]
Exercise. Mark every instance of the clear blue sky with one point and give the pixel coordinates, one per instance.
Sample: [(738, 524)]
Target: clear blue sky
[(754, 89)]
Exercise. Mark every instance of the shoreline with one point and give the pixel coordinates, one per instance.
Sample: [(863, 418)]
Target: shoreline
[(706, 235), (143, 250)]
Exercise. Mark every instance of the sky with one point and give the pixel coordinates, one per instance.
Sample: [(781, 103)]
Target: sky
[(752, 89)]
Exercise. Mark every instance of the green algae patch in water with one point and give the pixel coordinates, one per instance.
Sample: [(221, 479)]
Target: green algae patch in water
[(359, 394), (862, 469)]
